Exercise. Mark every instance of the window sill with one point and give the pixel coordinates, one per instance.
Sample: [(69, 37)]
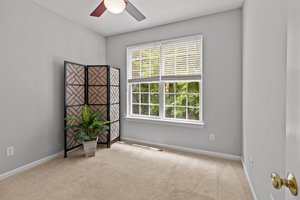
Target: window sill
[(165, 122)]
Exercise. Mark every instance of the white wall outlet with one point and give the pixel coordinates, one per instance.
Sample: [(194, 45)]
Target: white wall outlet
[(251, 161), (271, 197), (10, 151), (212, 137)]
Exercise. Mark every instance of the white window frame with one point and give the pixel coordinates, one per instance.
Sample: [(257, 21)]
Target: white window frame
[(161, 118)]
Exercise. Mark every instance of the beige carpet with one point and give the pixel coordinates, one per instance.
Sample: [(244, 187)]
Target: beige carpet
[(130, 172)]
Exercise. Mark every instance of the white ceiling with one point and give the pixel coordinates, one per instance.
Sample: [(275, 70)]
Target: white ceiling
[(157, 12)]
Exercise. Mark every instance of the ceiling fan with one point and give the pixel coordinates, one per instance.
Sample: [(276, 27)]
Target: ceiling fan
[(118, 6)]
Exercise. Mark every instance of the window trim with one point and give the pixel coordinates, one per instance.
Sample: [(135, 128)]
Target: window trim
[(160, 119), (175, 122)]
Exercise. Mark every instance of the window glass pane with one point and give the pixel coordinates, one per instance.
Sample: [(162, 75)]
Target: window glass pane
[(154, 110), (181, 87), (135, 88), (181, 99), (193, 113), (193, 100), (135, 109), (154, 87), (169, 87), (169, 99), (135, 98), (154, 98), (144, 87), (144, 98), (181, 112), (193, 87), (144, 110), (170, 112)]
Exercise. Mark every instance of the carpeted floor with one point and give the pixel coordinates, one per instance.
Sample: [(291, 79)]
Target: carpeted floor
[(130, 172)]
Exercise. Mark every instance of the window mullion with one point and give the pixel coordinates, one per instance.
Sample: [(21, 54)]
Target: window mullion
[(129, 102), (140, 99), (161, 100), (161, 87), (149, 103), (201, 100), (175, 99), (186, 100)]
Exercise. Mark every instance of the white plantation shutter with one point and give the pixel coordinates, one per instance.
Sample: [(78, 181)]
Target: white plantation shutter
[(182, 58), (176, 59), (144, 63)]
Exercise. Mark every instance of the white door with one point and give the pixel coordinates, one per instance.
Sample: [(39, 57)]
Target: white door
[(293, 95)]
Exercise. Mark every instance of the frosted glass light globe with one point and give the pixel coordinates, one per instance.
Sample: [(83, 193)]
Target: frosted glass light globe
[(115, 6)]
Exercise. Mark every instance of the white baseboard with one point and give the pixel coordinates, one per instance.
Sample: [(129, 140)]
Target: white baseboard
[(209, 153), (249, 181), (28, 166)]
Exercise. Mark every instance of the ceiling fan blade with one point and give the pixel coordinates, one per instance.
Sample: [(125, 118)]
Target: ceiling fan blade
[(99, 10), (133, 11)]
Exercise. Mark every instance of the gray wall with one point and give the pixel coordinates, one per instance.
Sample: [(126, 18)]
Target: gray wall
[(264, 83), (34, 42), (222, 83)]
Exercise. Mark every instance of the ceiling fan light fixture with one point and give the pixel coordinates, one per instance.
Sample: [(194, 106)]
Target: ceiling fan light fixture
[(115, 6)]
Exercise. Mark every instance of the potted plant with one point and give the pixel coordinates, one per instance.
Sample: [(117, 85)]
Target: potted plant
[(86, 128)]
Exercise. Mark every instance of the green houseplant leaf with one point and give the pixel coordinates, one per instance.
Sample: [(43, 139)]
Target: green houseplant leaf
[(86, 116), (87, 126)]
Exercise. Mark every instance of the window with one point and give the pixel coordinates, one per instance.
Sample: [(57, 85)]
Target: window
[(164, 80)]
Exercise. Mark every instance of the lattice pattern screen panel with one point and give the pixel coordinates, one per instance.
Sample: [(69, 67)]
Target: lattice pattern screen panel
[(103, 109), (114, 113), (74, 98), (114, 103), (75, 74), (97, 75), (74, 95), (97, 92), (114, 77), (72, 111), (114, 95), (97, 95), (114, 130)]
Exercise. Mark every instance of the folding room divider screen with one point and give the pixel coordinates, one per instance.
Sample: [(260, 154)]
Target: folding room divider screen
[(98, 86)]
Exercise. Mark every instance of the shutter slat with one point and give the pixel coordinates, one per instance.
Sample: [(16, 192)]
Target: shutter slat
[(144, 62), (182, 57)]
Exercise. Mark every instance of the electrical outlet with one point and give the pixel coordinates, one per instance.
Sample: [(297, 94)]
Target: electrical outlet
[(271, 197), (212, 137), (10, 151), (251, 161)]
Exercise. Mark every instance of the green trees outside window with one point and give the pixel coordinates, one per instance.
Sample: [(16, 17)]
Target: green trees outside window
[(145, 99), (182, 100)]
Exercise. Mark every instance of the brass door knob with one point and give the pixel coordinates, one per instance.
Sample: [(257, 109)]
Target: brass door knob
[(290, 182)]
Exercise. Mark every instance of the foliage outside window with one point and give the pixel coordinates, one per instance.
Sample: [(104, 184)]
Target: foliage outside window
[(165, 80)]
